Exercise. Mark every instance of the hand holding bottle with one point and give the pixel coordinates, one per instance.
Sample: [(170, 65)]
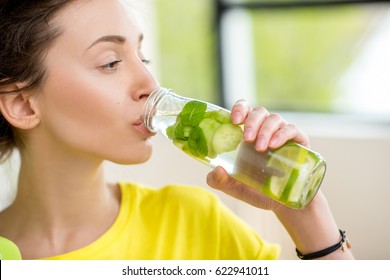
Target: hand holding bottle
[(264, 130), (311, 228)]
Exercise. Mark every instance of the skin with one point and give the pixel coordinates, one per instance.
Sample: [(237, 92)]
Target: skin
[(97, 79)]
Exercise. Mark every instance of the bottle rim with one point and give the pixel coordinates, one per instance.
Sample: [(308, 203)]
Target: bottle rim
[(150, 107)]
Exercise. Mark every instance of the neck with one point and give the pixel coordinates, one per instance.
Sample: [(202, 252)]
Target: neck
[(60, 183), (62, 199)]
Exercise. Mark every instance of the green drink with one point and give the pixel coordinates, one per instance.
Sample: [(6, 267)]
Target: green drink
[(291, 174)]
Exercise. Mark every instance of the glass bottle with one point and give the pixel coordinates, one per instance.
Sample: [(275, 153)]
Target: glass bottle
[(291, 174)]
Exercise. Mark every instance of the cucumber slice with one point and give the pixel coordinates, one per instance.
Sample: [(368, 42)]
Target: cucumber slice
[(284, 188), (221, 116), (209, 126), (226, 138)]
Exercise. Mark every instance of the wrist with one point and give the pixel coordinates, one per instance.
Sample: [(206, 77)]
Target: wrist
[(343, 244), (312, 228), (317, 205)]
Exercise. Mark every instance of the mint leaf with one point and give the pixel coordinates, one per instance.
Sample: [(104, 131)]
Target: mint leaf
[(192, 113), (171, 131), (197, 142), (178, 131)]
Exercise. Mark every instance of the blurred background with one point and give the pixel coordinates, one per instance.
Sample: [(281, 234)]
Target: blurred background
[(324, 65)]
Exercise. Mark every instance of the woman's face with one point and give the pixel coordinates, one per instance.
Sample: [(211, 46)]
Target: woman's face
[(96, 84)]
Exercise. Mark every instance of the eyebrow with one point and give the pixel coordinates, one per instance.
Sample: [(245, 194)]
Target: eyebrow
[(113, 39)]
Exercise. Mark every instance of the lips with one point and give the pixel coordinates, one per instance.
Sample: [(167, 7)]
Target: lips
[(141, 127)]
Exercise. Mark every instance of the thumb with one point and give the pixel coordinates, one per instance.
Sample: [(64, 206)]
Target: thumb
[(219, 179)]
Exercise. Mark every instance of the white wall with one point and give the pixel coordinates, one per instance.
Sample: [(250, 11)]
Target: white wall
[(358, 190)]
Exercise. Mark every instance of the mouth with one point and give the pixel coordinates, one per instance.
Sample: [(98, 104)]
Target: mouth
[(139, 125)]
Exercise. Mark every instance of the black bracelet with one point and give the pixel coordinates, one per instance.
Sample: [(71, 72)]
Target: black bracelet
[(328, 250)]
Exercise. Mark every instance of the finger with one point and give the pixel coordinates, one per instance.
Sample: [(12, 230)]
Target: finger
[(254, 122), (218, 179), (286, 133), (240, 111), (270, 126)]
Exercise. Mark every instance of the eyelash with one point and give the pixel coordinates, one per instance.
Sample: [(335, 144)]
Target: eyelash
[(110, 66)]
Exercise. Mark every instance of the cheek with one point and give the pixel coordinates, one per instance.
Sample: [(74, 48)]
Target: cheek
[(75, 97), (76, 108)]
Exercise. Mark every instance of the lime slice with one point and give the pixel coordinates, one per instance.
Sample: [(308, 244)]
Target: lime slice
[(294, 175), (286, 160), (301, 188)]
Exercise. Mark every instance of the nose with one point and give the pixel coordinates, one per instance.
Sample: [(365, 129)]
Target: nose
[(144, 83)]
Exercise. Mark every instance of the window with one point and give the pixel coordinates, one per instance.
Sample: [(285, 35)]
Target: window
[(187, 47), (285, 55)]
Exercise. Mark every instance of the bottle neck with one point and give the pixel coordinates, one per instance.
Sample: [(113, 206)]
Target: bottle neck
[(150, 108), (161, 102), (163, 105)]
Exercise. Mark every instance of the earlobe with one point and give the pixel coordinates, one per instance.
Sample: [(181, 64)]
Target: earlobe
[(18, 110)]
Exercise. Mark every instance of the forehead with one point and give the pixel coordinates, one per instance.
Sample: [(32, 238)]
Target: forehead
[(86, 20)]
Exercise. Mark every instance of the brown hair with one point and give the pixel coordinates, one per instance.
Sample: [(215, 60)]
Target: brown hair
[(25, 36)]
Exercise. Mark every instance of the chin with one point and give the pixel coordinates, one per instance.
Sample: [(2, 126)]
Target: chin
[(136, 157)]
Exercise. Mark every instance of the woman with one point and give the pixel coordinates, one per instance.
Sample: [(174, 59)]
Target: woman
[(73, 83)]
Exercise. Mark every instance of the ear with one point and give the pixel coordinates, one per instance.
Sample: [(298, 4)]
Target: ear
[(18, 107)]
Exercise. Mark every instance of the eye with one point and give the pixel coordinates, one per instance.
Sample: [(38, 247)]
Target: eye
[(110, 67), (142, 57)]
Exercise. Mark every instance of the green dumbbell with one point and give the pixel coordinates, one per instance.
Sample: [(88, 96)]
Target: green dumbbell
[(9, 250)]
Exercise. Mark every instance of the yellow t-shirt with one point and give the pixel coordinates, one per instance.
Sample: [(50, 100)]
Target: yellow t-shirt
[(174, 222)]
